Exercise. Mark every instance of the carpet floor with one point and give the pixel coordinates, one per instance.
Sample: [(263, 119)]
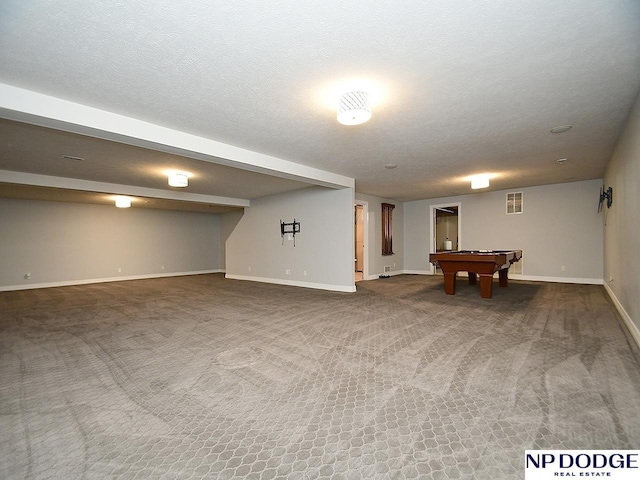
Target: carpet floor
[(202, 377)]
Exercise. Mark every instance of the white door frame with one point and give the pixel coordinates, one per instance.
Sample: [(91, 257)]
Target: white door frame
[(365, 261), (432, 228)]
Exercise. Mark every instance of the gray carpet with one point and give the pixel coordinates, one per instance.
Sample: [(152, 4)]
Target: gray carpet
[(202, 377)]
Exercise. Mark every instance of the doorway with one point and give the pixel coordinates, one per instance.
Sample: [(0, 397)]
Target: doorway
[(360, 246), (445, 229)]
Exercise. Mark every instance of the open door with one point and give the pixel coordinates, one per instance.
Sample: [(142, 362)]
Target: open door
[(445, 228), (360, 247)]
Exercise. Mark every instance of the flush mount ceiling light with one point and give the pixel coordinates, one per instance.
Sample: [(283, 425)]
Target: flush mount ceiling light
[(178, 179), (390, 166), (561, 160), (561, 129), (122, 201), (479, 181), (354, 108)]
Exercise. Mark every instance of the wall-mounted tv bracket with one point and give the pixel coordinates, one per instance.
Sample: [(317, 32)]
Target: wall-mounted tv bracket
[(605, 194), (289, 229)]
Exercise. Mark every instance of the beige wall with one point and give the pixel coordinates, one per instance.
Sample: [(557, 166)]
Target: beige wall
[(622, 222), (323, 255), (65, 243), (559, 227), (228, 222)]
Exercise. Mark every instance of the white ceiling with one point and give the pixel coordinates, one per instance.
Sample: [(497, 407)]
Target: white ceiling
[(464, 87)]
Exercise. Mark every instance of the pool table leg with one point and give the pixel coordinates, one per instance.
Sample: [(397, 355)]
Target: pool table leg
[(450, 283), (485, 285), (503, 277), (473, 278)]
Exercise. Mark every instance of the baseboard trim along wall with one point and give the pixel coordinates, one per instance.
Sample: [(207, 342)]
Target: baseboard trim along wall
[(417, 272), (584, 281), (70, 283), (626, 318), (532, 278), (294, 283), (389, 274)]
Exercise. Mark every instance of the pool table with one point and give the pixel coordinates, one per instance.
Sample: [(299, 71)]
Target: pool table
[(476, 262)]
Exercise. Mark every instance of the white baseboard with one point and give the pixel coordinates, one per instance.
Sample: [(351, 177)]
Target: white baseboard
[(532, 278), (390, 274), (394, 273), (633, 329), (417, 272), (584, 281), (294, 283), (69, 283)]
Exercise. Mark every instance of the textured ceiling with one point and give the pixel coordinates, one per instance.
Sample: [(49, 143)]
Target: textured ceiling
[(463, 87)]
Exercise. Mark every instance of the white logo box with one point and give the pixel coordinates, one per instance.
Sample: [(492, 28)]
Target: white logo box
[(555, 464)]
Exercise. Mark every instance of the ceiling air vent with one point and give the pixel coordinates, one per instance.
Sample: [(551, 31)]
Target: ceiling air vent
[(70, 157)]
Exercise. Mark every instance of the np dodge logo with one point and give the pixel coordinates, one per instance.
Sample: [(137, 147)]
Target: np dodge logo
[(610, 464)]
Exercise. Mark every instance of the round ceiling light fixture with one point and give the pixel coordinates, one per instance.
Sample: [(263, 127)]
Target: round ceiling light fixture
[(561, 160), (354, 108), (390, 166), (561, 129)]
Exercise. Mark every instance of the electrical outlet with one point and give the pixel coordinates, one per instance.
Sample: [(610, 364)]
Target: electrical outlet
[(162, 267), (304, 273), (249, 268), (287, 272), (27, 276), (119, 270), (563, 268)]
